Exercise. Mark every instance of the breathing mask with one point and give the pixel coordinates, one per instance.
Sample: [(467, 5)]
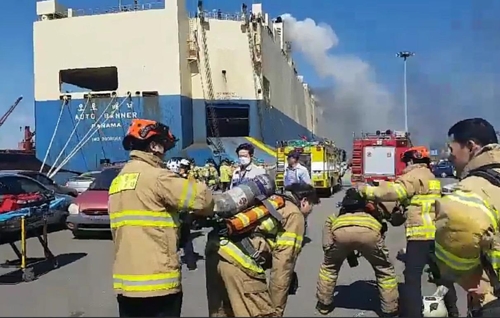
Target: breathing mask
[(244, 161)]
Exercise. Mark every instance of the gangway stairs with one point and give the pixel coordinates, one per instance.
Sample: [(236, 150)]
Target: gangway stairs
[(200, 38), (252, 25)]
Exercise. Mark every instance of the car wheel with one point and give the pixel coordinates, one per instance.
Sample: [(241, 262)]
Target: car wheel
[(443, 175)]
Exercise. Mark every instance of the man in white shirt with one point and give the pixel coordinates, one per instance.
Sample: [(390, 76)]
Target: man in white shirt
[(246, 169), (295, 172)]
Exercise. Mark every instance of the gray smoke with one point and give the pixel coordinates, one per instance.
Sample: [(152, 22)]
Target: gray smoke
[(355, 101), (444, 86)]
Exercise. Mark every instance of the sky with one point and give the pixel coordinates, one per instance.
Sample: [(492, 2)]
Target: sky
[(346, 52)]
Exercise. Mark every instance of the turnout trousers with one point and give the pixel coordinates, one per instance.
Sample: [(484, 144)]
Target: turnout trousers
[(233, 293), (370, 244), (416, 258), (162, 306)]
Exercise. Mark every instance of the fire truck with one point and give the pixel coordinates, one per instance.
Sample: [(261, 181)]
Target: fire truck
[(377, 156), (321, 158)]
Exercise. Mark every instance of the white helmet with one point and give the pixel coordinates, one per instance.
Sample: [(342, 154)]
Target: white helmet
[(173, 165), (184, 162), (434, 305)]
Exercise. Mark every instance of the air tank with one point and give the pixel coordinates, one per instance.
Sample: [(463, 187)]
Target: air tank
[(244, 195)]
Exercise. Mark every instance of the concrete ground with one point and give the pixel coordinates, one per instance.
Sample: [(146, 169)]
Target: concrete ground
[(82, 284)]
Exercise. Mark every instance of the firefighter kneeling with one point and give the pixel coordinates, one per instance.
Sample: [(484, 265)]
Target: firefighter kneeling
[(236, 262), (359, 227), (144, 205)]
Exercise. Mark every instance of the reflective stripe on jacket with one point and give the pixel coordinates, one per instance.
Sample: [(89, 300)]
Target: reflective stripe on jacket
[(417, 190), (356, 219), (467, 228), (144, 205)]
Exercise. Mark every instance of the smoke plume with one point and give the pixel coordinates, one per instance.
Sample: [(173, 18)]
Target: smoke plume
[(355, 101), (455, 80)]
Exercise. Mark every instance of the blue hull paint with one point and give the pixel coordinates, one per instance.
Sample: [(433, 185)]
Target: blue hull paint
[(186, 117)]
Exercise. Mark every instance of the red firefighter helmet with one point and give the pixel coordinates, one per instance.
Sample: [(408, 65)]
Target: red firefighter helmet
[(417, 152), (143, 130)]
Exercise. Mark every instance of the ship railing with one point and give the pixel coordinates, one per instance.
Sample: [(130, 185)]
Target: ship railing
[(118, 9), (216, 15)]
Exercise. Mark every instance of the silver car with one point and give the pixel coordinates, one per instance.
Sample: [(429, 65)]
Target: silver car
[(82, 182)]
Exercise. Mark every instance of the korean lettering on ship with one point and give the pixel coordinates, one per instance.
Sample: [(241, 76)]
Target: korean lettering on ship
[(109, 120)]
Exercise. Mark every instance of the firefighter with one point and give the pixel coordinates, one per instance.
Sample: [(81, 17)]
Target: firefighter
[(467, 233), (186, 241), (184, 168), (416, 190), (235, 271), (193, 170), (144, 205), (246, 168), (225, 174), (356, 228), (212, 176)]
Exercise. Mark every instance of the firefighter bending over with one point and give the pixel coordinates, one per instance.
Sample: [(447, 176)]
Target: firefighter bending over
[(416, 191), (358, 227), (235, 268), (467, 218), (144, 205)]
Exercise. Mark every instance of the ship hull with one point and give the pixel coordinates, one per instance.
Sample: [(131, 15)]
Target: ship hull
[(92, 131)]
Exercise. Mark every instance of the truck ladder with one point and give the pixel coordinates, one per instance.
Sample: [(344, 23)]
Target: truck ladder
[(207, 84), (253, 31)]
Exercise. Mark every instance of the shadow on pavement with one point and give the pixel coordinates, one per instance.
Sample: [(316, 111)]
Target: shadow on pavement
[(94, 235), (360, 295), (41, 268)]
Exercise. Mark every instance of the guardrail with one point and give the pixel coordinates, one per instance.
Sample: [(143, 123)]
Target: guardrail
[(118, 9), (216, 15)]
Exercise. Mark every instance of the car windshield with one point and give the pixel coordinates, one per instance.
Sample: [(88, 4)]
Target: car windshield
[(103, 180)]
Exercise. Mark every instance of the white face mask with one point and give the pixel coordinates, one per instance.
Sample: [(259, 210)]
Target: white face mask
[(244, 161)]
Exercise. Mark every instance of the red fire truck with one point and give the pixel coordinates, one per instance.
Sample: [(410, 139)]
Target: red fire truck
[(377, 156)]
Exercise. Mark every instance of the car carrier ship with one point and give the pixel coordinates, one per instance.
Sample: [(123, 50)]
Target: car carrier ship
[(216, 79)]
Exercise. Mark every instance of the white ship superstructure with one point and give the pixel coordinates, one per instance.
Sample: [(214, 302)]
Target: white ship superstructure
[(213, 77)]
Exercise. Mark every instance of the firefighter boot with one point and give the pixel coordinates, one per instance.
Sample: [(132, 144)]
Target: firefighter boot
[(324, 309)]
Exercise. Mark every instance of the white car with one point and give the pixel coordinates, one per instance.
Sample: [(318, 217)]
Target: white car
[(82, 182)]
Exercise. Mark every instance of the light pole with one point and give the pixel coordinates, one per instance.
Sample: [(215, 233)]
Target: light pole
[(405, 55)]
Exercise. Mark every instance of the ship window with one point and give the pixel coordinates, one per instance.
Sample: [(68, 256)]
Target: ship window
[(232, 121), (95, 79)]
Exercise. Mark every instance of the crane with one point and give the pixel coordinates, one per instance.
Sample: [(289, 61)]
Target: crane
[(10, 110)]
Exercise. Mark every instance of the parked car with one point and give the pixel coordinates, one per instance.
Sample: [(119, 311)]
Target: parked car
[(444, 169), (89, 212), (46, 181), (16, 184), (83, 181)]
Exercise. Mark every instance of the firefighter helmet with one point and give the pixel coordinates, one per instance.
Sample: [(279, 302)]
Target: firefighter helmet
[(418, 152), (434, 306), (142, 130)]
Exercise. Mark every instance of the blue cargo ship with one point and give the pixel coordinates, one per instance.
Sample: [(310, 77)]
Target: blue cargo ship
[(216, 79)]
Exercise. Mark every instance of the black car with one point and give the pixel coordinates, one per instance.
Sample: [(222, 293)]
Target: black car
[(46, 181)]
